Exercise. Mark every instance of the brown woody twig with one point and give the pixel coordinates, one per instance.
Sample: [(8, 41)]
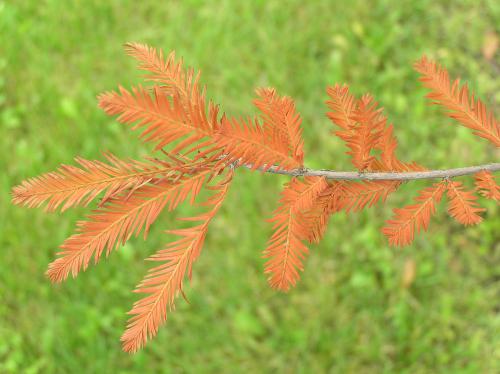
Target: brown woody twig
[(380, 176)]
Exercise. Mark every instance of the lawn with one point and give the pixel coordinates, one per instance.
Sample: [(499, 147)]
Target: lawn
[(355, 310)]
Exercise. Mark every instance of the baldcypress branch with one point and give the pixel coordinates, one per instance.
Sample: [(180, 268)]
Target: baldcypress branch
[(198, 148)]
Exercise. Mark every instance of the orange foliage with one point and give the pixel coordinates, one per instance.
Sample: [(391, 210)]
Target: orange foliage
[(401, 229), (71, 186), (486, 185), (116, 222), (249, 143), (281, 120), (286, 250), (462, 106), (199, 148), (164, 282), (164, 121), (462, 204), (172, 78)]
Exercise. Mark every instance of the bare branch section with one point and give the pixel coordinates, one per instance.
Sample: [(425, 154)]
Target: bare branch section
[(380, 176)]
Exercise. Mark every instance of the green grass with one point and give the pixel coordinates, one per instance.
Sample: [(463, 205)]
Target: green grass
[(350, 313)]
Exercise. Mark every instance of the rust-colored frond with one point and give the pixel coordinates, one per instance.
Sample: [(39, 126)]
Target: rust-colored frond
[(164, 282), (358, 195), (364, 129), (301, 195), (388, 145), (328, 202), (462, 106), (281, 121), (121, 217), (487, 186), (361, 124), (401, 229), (169, 73), (388, 159), (347, 196), (342, 104), (181, 84), (70, 185), (285, 250), (164, 121), (246, 142), (343, 195), (462, 204), (365, 135)]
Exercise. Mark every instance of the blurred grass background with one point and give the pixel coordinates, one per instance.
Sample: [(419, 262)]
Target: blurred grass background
[(356, 310)]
